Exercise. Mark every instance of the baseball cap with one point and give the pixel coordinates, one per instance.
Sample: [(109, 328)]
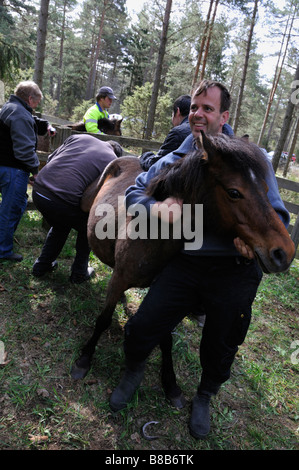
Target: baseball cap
[(106, 90)]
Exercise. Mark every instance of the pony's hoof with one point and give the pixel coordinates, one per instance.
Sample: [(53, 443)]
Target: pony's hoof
[(178, 402), (80, 369)]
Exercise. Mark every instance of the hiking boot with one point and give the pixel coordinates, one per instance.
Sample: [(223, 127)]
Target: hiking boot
[(79, 278), (39, 271), (199, 424), (12, 257), (128, 385)]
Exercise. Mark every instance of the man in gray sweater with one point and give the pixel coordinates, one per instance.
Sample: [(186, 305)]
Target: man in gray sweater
[(18, 158)]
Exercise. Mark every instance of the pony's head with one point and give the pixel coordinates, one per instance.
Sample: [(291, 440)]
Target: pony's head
[(227, 175), (110, 126)]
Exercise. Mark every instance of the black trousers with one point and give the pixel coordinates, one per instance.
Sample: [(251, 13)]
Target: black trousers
[(62, 218), (225, 286)]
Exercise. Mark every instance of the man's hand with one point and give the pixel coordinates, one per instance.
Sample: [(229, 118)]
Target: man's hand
[(169, 210), (244, 249), (51, 131), (32, 179)]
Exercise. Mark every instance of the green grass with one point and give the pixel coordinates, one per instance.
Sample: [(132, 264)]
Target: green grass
[(44, 322)]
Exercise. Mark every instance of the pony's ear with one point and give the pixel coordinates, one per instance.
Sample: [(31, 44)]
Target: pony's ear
[(201, 145)]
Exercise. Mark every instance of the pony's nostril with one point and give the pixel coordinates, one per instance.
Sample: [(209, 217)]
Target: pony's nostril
[(278, 256)]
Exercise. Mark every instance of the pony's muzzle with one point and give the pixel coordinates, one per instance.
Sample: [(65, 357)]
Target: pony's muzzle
[(277, 260)]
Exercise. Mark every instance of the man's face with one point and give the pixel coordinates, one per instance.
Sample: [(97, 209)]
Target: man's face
[(106, 102), (205, 113), (34, 101)]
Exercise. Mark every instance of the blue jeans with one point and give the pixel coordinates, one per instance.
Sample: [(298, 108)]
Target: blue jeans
[(13, 188)]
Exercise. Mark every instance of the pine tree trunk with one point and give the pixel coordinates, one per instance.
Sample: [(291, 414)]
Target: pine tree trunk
[(58, 90), (202, 45), (90, 90), (292, 148), (41, 43), (276, 76), (287, 120), (273, 121), (157, 80), (202, 73), (243, 79)]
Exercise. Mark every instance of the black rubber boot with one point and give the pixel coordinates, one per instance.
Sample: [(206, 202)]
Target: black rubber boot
[(128, 385), (76, 278), (40, 269), (199, 425)]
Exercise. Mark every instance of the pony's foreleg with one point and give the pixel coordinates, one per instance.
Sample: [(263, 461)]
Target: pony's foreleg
[(168, 378), (82, 365)]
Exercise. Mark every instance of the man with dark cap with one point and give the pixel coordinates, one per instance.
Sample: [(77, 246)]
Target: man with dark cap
[(105, 97)]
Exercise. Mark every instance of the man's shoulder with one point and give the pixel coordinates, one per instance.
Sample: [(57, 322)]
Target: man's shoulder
[(14, 109), (92, 109), (184, 124), (164, 161), (19, 105), (186, 145), (84, 141), (184, 129)]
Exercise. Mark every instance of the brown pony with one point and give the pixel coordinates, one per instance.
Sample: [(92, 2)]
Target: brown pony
[(227, 177), (108, 126)]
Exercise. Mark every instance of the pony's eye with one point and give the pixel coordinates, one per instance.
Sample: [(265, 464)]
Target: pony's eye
[(234, 194)]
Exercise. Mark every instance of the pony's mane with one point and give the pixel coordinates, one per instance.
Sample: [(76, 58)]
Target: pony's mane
[(240, 155), (179, 178)]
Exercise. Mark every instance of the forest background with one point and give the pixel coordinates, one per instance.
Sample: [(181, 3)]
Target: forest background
[(150, 57)]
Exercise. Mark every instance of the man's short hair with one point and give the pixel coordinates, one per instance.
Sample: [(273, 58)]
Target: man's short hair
[(225, 100), (117, 149), (28, 88), (182, 103)]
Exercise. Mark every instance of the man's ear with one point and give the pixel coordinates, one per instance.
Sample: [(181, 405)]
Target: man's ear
[(224, 117)]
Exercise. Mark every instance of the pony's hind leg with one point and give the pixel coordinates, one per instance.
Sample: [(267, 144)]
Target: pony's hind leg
[(171, 389)]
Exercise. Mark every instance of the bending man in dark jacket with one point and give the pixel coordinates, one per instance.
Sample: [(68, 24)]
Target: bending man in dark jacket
[(57, 193), (18, 137)]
